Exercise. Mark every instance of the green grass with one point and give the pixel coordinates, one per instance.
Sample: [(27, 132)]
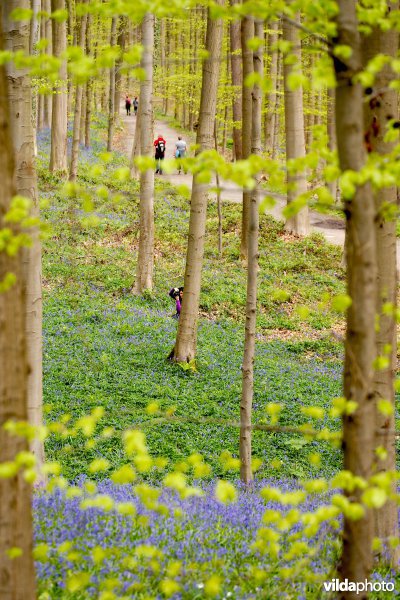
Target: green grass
[(104, 346)]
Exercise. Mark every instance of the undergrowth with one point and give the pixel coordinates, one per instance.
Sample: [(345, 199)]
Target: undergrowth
[(106, 347)]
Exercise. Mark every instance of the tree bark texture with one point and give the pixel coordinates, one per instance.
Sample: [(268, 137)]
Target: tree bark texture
[(236, 72), (331, 130), (17, 576), (111, 94), (246, 403), (121, 41), (186, 340), (59, 118), (76, 133), (247, 33), (89, 83), (16, 37), (360, 349), (294, 131), (377, 113), (145, 263), (48, 98), (271, 116)]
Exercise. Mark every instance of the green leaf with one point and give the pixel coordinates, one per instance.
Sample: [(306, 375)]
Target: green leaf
[(342, 51), (374, 497), (21, 14), (341, 303), (59, 15)]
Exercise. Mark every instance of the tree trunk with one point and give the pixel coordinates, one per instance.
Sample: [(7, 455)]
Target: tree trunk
[(48, 98), (71, 35), (89, 83), (111, 96), (83, 114), (186, 339), (331, 130), (294, 131), (276, 145), (236, 69), (246, 403), (270, 115), (247, 33), (360, 349), (219, 199), (34, 36), (16, 37), (380, 109), (59, 120), (76, 134), (17, 576), (118, 77), (168, 72), (145, 262), (136, 142)]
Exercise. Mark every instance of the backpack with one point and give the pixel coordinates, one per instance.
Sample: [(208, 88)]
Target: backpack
[(160, 149)]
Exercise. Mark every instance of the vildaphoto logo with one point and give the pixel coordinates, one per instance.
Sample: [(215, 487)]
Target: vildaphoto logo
[(335, 585)]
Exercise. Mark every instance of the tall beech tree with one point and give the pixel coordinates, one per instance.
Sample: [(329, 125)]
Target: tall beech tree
[(59, 117), (111, 93), (186, 339), (360, 348), (76, 132), (271, 108), (236, 71), (381, 109), (16, 38), (294, 130), (252, 269), (17, 576), (145, 262), (247, 33)]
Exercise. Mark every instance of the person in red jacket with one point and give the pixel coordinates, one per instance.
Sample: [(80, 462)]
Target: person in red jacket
[(159, 145)]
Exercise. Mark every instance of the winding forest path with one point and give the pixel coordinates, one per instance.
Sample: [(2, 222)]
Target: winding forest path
[(330, 227)]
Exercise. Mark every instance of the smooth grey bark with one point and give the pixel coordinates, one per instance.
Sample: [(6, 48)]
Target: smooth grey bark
[(145, 262), (377, 113), (294, 133), (121, 41), (111, 93), (186, 339), (236, 77), (360, 344), (247, 33), (246, 403), (76, 133), (17, 575), (271, 116), (89, 84), (16, 37), (59, 119), (48, 98)]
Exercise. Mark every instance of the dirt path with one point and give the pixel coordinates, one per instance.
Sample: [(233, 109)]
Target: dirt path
[(331, 228)]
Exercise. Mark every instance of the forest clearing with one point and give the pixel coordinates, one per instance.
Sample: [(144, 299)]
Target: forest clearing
[(198, 300)]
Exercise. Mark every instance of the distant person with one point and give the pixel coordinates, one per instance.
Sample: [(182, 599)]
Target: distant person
[(128, 105), (159, 145), (177, 295), (180, 152), (135, 105)]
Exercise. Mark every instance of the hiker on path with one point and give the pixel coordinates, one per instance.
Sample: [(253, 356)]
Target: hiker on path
[(180, 152), (135, 105), (128, 105), (159, 145)]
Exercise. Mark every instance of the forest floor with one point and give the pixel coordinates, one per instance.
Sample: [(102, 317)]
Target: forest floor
[(105, 347)]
